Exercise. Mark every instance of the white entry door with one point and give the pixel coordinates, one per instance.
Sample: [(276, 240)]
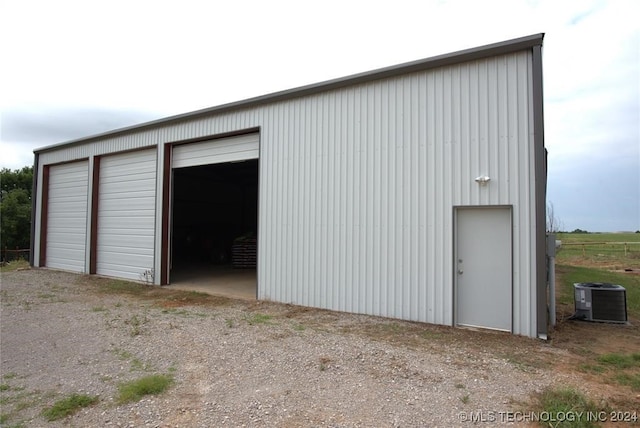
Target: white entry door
[(483, 267)]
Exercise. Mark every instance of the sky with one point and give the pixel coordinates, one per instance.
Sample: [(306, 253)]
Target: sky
[(70, 69)]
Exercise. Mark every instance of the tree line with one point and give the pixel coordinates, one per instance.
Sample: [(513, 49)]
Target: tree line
[(15, 207)]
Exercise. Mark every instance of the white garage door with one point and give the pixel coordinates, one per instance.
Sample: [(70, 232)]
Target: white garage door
[(67, 216), (126, 215), (241, 147)]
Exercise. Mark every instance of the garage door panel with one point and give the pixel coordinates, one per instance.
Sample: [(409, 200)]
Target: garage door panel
[(67, 216), (143, 199), (77, 205), (126, 215), (69, 192), (242, 147), (66, 239), (68, 262), (131, 179), (119, 264), (127, 240), (213, 149), (115, 223)]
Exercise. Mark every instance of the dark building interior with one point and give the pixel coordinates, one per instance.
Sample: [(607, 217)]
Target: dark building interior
[(215, 215)]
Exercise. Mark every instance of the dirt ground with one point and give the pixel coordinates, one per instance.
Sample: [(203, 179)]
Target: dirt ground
[(583, 342), (62, 333)]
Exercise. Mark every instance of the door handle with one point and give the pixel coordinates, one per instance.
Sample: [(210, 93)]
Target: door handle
[(460, 272)]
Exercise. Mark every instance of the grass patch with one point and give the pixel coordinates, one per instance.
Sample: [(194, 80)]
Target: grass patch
[(118, 286), (135, 324), (46, 296), (567, 400), (255, 319), (591, 368), (123, 354), (620, 361), (620, 368), (138, 365), (630, 380), (148, 385), (15, 265), (298, 327), (68, 406), (4, 387)]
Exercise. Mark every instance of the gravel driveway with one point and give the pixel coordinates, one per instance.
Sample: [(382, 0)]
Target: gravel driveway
[(241, 363)]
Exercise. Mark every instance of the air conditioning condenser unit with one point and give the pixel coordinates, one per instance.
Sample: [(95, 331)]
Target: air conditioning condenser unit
[(596, 301)]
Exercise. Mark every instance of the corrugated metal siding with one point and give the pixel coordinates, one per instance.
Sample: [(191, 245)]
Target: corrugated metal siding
[(242, 147), (362, 182), (67, 216), (358, 185), (126, 215)]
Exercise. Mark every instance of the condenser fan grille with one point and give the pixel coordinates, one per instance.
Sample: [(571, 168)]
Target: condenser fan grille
[(609, 305), (601, 302)]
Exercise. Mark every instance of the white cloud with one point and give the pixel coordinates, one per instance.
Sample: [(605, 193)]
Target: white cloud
[(157, 58)]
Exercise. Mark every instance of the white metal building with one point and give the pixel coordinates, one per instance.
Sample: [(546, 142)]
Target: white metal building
[(415, 191)]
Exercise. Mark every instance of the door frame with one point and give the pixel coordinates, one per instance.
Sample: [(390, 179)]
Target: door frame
[(456, 209), (166, 261)]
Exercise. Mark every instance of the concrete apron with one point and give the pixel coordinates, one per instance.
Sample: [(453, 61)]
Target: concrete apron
[(216, 280)]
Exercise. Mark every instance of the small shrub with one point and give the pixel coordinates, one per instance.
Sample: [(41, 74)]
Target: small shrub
[(324, 363), (136, 324), (68, 406), (148, 385)]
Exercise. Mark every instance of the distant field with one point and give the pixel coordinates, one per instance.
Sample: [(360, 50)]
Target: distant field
[(599, 257), (608, 250), (598, 237)]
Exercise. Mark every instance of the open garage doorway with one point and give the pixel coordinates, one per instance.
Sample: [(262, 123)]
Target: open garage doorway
[(214, 225)]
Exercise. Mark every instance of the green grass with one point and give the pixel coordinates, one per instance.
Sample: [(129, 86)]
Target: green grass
[(135, 324), (600, 249), (575, 274), (623, 369), (118, 286), (620, 361), (255, 319), (631, 380), (68, 406), (148, 385), (598, 237), (566, 400), (15, 265)]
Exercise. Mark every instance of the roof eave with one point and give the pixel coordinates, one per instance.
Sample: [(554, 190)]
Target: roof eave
[(500, 48)]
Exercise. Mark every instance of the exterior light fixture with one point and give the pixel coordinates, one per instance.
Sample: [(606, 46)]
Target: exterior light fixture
[(483, 180)]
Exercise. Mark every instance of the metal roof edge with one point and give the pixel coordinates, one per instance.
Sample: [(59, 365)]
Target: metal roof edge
[(461, 56)]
